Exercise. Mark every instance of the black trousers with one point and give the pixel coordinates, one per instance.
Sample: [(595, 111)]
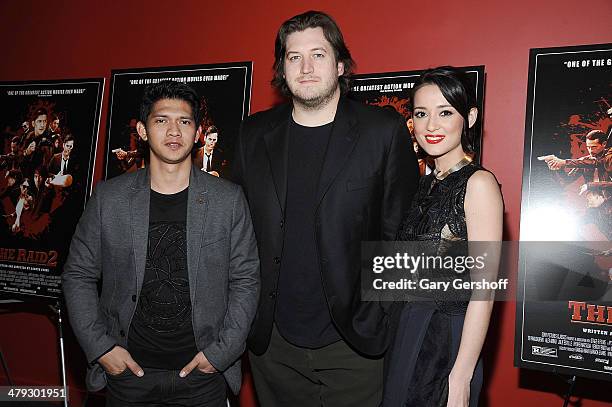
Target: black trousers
[(165, 388), (335, 376)]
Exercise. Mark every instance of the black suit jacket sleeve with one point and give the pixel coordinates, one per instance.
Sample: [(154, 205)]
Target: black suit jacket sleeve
[(238, 164), (401, 178)]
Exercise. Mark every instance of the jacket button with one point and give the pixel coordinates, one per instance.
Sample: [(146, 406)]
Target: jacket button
[(282, 223), (122, 333), (133, 298), (277, 260), (272, 294)]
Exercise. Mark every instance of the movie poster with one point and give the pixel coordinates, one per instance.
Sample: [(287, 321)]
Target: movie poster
[(392, 90), (49, 137), (564, 307), (225, 93)]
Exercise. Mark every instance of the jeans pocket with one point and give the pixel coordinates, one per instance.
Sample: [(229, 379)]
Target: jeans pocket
[(199, 372)]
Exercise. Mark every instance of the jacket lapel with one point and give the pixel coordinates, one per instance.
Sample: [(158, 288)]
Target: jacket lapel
[(342, 140), (277, 146), (197, 208), (139, 219)]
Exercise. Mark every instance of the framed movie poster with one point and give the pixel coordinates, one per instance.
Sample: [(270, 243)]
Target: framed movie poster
[(49, 137), (392, 90), (225, 93), (564, 307)]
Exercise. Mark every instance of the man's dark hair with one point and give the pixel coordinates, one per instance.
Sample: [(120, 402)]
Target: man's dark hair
[(41, 170), (39, 112), (69, 137), (16, 175), (458, 91), (597, 135), (211, 130), (311, 19), (169, 90)]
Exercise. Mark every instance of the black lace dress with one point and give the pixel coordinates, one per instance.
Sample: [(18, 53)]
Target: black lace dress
[(429, 332)]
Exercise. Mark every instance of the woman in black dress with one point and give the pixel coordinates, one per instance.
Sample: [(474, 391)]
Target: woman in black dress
[(435, 357)]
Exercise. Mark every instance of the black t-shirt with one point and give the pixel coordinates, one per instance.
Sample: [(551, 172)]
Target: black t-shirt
[(302, 314), (161, 334)]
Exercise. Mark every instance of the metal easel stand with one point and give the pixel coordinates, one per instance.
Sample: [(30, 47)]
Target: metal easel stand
[(57, 309), (570, 390), (5, 368), (2, 360)]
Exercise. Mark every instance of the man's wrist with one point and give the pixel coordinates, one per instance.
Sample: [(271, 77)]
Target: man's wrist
[(104, 353)]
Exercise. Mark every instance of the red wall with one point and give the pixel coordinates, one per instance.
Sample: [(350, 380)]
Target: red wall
[(71, 39)]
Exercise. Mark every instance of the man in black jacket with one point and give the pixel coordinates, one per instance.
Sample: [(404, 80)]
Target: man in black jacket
[(321, 175), (209, 158)]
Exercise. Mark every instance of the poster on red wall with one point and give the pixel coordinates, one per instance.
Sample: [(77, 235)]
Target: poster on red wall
[(225, 95), (49, 137), (564, 300), (392, 90)]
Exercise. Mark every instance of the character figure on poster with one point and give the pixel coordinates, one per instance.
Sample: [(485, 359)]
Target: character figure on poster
[(441, 340), (11, 160), (62, 167), (133, 158), (594, 170), (209, 158)]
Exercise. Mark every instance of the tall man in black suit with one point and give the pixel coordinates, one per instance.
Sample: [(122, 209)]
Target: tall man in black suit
[(321, 174)]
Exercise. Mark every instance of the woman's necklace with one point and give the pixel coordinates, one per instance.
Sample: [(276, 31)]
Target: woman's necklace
[(441, 175)]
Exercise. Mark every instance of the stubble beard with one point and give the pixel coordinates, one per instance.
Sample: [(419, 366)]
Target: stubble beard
[(316, 101)]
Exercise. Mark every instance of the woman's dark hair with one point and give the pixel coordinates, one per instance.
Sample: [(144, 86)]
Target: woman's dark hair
[(458, 91), (311, 19), (169, 90)]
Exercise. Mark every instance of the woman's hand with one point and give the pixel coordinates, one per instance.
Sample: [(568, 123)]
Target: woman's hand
[(458, 390)]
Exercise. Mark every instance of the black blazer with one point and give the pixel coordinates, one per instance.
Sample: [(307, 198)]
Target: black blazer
[(55, 165), (216, 163), (369, 176)]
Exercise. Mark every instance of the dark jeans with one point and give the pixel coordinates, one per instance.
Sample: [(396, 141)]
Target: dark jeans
[(334, 375), (165, 388)]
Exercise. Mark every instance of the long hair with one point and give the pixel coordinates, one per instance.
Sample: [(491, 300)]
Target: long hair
[(311, 19)]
